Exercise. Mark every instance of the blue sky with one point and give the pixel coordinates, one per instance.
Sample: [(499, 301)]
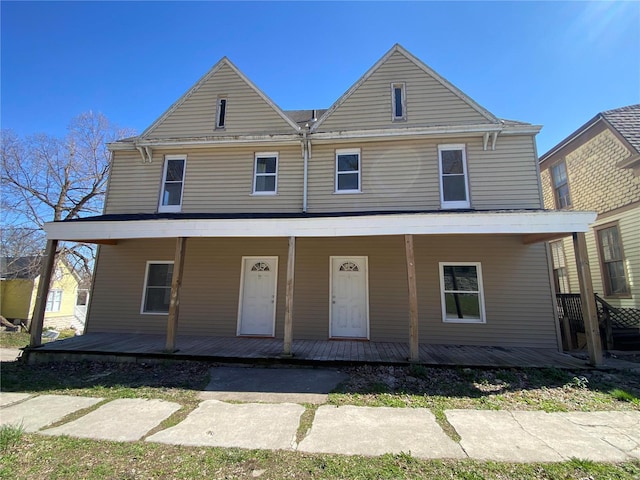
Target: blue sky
[(551, 63)]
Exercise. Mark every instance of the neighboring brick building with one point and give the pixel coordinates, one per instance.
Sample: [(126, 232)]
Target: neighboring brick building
[(598, 168)]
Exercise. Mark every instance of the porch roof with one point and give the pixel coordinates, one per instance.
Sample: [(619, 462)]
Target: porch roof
[(535, 225)]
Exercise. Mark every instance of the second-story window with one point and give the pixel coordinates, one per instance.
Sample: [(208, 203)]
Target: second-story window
[(265, 178), (172, 183), (221, 112), (398, 102), (454, 185), (348, 171), (561, 185)]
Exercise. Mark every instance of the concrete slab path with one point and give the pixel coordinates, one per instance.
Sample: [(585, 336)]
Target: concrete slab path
[(38, 412), (249, 425), (8, 398), (528, 436), (272, 385), (125, 419), (619, 429), (9, 354), (373, 431), (509, 436)]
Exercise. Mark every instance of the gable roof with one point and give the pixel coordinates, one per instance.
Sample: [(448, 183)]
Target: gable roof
[(623, 121), (20, 267), (397, 48), (222, 63)]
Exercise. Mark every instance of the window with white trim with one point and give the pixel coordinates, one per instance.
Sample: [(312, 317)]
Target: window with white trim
[(454, 184), (348, 171), (221, 112), (54, 301), (560, 275), (157, 287), (462, 294), (265, 177), (172, 183), (398, 102)]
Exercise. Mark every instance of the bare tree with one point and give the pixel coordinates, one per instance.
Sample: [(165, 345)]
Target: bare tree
[(46, 178)]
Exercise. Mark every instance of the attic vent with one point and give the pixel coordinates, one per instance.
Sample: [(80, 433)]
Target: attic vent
[(221, 112)]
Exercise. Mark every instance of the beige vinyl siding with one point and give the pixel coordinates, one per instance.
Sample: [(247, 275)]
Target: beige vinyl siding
[(246, 111), (210, 289), (403, 175), (216, 180), (517, 291), (388, 300), (428, 102), (516, 286), (506, 177), (134, 187)]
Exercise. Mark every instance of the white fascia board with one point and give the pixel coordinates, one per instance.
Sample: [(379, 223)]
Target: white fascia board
[(366, 225), (244, 140), (417, 132)]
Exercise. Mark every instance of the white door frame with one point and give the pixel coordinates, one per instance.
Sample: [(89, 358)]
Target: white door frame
[(275, 292), (366, 290)]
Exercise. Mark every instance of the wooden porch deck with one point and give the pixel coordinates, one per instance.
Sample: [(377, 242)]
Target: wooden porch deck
[(137, 347)]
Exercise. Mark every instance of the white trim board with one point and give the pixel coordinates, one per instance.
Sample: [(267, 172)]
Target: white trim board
[(449, 223)]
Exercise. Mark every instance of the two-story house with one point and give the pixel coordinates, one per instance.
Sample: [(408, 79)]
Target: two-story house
[(597, 168), (405, 213)]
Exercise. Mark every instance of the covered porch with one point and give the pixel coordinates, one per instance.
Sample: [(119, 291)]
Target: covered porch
[(145, 347), (524, 227)]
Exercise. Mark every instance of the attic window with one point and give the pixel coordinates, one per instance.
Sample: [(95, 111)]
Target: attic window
[(221, 112), (398, 100)]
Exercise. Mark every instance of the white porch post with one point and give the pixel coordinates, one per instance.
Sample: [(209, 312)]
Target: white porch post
[(174, 302), (588, 300), (43, 292), (288, 309), (414, 344)]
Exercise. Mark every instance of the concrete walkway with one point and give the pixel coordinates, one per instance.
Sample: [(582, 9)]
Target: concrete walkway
[(513, 436)]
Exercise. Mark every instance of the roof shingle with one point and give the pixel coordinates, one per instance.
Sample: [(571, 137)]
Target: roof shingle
[(626, 120)]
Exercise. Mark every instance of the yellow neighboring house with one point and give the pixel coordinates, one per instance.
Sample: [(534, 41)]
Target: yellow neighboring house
[(19, 285), (598, 168)]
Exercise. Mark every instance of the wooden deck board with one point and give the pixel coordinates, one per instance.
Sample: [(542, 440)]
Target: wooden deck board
[(231, 348)]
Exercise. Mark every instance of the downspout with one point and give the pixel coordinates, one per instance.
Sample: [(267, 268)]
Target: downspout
[(305, 152)]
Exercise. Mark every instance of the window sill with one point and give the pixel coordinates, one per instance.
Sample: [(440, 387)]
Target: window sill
[(456, 206), (619, 297), (264, 194), (343, 192), (154, 313), (170, 209), (462, 320)]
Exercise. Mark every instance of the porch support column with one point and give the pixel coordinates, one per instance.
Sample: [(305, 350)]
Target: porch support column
[(174, 302), (414, 345), (588, 300), (37, 320), (288, 308)]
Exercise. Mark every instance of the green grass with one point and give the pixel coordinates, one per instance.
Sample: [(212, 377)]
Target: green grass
[(624, 396), (14, 339), (10, 436), (21, 339), (60, 458), (439, 389)]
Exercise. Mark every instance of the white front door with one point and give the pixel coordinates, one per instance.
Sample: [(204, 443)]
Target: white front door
[(349, 297), (257, 307)]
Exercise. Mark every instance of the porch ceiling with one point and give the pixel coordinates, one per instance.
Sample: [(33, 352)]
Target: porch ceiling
[(534, 225)]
